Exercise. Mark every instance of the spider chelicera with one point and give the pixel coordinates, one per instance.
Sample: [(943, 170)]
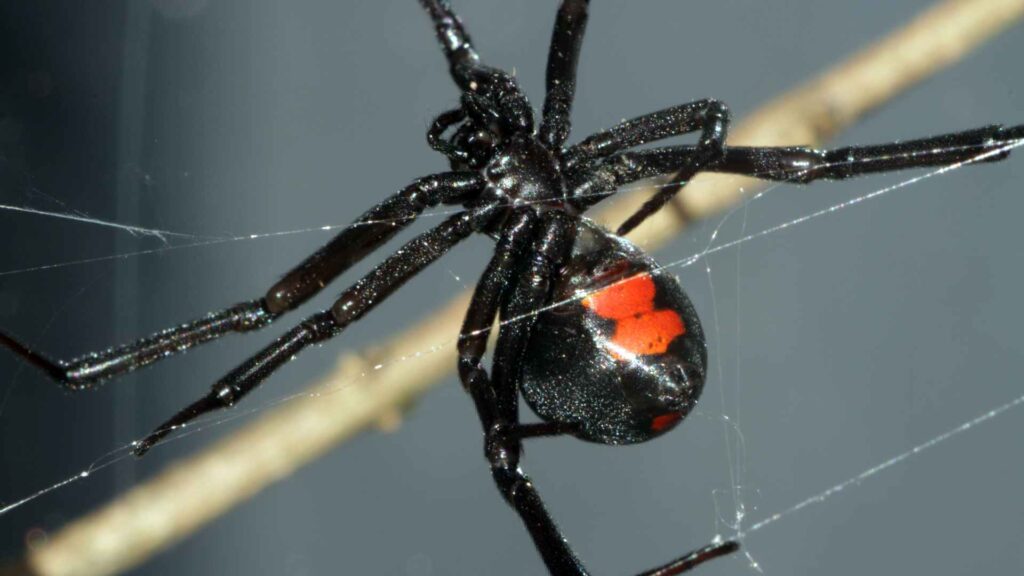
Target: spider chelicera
[(623, 358)]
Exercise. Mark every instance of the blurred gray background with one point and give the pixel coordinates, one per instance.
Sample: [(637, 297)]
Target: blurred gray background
[(840, 342)]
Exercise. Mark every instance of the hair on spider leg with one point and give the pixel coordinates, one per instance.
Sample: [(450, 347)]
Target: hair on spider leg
[(314, 329)]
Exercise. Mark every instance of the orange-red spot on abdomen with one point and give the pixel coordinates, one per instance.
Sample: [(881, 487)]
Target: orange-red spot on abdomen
[(665, 421), (639, 328), (634, 295), (645, 334)]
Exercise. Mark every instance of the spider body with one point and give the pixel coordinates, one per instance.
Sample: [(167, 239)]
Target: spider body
[(616, 354), (624, 360), (524, 173)]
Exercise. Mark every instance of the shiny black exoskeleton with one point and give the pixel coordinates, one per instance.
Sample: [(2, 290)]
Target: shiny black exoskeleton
[(601, 344), (623, 358)]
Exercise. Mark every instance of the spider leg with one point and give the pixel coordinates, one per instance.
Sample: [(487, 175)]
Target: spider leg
[(511, 247), (709, 116), (378, 225), (804, 165), (563, 56), (455, 42), (372, 229), (87, 370), (353, 304), (476, 80), (497, 405), (439, 126), (603, 177), (796, 164), (693, 559)]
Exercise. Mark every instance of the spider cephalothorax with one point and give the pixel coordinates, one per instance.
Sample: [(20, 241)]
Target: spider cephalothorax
[(601, 343)]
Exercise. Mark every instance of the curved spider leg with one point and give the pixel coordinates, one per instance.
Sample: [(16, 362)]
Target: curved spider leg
[(512, 246), (475, 79), (796, 164), (563, 56), (354, 303), (437, 130), (371, 230), (709, 116), (802, 165), (530, 290)]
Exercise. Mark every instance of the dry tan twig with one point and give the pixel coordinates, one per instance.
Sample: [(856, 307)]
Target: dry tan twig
[(192, 492)]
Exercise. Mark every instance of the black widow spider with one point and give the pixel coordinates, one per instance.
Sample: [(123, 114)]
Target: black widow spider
[(633, 344)]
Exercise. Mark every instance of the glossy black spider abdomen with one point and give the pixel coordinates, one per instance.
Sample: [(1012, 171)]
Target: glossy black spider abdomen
[(623, 360)]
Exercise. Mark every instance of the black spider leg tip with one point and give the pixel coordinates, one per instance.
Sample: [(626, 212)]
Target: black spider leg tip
[(250, 374), (202, 406), (695, 558), (354, 303), (56, 370), (88, 370)]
